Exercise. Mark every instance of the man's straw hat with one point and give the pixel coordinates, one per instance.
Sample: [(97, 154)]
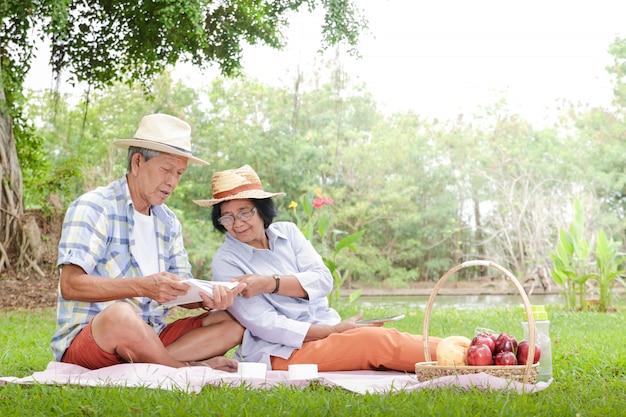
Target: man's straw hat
[(163, 133), (234, 184)]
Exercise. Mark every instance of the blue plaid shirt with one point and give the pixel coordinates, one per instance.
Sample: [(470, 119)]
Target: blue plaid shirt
[(98, 236)]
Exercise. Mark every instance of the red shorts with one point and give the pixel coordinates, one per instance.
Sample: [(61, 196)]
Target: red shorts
[(85, 352)]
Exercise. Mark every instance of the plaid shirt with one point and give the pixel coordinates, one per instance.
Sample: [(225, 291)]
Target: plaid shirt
[(98, 236)]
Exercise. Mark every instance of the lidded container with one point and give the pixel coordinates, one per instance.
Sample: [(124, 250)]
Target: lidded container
[(542, 332)]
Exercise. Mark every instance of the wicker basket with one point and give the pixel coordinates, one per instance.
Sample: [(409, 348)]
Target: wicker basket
[(521, 373)]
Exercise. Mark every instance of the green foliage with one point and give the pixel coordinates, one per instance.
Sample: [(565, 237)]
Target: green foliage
[(38, 178), (107, 43), (201, 242), (430, 193), (340, 276), (103, 43), (610, 264), (573, 267), (316, 217), (78, 137), (571, 260), (597, 135), (618, 70)]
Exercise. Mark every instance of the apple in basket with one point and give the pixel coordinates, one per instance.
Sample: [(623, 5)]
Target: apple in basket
[(505, 343), (505, 358), (484, 339), (522, 352), (492, 336), (479, 355)]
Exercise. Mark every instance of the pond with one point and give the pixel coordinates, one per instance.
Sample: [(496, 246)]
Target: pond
[(458, 301)]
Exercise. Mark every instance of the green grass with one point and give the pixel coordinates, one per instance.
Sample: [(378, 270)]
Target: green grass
[(589, 358)]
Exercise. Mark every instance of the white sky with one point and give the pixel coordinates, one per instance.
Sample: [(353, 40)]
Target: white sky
[(444, 57)]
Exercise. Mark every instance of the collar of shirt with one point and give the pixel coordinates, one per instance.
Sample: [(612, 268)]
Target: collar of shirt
[(158, 211), (273, 234)]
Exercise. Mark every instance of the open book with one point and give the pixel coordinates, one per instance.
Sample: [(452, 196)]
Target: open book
[(198, 286)]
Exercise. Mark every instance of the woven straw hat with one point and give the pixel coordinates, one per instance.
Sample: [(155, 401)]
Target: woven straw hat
[(234, 184), (163, 133)]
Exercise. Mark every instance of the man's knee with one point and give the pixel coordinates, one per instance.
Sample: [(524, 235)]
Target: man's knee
[(119, 315), (119, 320)]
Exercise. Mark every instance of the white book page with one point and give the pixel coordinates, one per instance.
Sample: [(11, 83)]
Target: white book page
[(198, 286)]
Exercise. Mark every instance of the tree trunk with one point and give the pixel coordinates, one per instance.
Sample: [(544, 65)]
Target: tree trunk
[(479, 236), (13, 241)]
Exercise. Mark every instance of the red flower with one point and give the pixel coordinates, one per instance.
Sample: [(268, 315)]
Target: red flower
[(322, 201)]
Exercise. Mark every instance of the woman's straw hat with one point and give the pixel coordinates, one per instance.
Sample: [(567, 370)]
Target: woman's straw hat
[(163, 133), (234, 184)]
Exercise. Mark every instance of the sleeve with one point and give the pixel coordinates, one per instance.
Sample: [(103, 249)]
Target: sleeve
[(313, 274), (85, 234)]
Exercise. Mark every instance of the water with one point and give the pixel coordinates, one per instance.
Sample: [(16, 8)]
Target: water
[(464, 302)]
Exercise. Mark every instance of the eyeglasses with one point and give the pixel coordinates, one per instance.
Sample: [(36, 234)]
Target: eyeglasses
[(244, 216)]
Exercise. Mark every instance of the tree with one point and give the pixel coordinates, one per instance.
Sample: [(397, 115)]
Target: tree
[(618, 70), (100, 42), (524, 186)]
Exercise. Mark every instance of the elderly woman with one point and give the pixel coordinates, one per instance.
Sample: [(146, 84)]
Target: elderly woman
[(284, 308)]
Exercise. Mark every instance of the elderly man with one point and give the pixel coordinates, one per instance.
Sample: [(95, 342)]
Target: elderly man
[(121, 256)]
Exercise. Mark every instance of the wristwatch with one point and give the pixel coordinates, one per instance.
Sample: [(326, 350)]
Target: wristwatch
[(277, 279)]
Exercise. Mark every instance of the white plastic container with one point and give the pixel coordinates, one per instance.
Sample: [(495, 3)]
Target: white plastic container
[(303, 371), (252, 370), (542, 336)]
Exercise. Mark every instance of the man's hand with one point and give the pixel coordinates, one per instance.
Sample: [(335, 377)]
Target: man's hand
[(164, 287), (78, 285)]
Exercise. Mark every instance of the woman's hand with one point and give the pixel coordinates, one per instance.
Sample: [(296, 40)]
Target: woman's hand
[(320, 331), (256, 284), (351, 323)]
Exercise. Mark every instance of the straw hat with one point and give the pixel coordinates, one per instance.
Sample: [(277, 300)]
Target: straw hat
[(234, 184), (163, 133)]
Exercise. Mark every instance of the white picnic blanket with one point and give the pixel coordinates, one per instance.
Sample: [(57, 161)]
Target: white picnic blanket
[(193, 378)]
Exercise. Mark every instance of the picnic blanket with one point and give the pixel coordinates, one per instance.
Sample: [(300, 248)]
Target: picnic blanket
[(192, 379)]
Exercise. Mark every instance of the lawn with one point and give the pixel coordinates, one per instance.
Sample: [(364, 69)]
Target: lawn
[(589, 358)]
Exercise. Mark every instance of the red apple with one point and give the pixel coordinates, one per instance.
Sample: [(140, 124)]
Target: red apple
[(484, 340), (490, 335), (479, 355), (505, 358), (522, 352), (505, 343)]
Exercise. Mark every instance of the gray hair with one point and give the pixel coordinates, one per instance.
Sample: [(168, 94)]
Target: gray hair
[(147, 154)]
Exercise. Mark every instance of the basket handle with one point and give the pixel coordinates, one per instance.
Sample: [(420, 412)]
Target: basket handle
[(520, 289)]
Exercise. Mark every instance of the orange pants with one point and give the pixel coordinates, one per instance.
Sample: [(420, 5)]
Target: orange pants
[(364, 348)]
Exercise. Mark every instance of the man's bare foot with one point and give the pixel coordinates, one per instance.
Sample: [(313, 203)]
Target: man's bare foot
[(220, 363)]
